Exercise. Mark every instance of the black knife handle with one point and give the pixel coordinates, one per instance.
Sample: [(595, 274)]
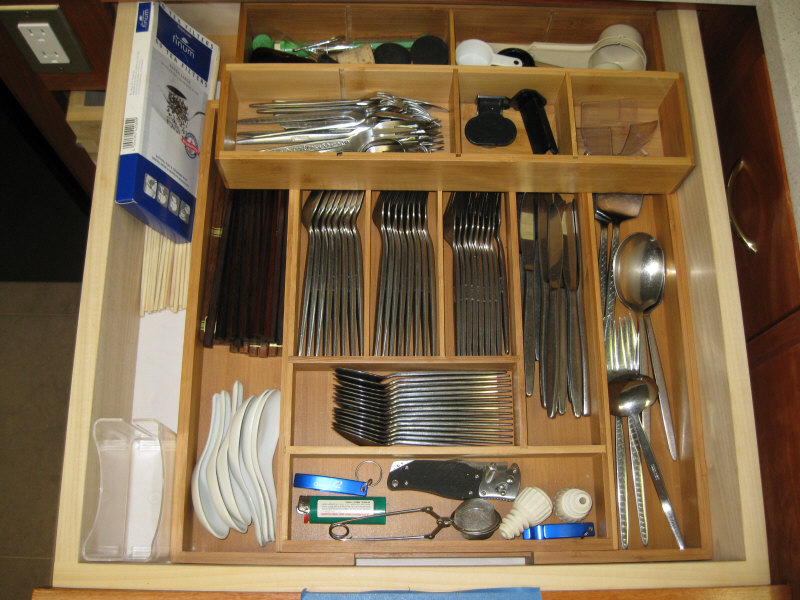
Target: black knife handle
[(449, 479)]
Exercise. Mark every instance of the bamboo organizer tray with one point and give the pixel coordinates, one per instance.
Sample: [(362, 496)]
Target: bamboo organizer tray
[(564, 452), (460, 165)]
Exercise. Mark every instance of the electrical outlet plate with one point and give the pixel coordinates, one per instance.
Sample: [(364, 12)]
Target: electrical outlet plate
[(59, 50), (43, 41)]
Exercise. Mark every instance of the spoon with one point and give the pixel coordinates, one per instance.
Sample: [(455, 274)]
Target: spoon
[(628, 398), (640, 273)]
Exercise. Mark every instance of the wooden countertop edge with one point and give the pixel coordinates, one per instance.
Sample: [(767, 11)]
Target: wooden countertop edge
[(718, 593)]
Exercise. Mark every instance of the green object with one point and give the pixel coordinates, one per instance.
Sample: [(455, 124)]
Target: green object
[(332, 509), (262, 40), (404, 43)]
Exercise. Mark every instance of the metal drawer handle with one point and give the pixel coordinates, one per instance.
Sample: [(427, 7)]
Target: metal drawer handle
[(737, 168)]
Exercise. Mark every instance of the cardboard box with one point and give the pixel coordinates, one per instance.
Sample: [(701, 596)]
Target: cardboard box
[(173, 73)]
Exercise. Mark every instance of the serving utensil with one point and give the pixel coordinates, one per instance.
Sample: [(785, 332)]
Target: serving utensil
[(640, 271)]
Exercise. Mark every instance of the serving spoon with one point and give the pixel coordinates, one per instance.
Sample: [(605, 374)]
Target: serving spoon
[(640, 275), (628, 398)]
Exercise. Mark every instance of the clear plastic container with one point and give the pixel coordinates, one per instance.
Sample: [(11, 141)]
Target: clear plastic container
[(133, 510)]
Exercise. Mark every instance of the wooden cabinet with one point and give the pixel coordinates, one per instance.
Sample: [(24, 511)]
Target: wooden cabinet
[(769, 278), (703, 349)]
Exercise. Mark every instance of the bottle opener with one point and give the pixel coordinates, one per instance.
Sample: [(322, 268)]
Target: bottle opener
[(459, 480)]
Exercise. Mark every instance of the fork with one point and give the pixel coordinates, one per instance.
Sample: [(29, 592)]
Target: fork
[(622, 361)]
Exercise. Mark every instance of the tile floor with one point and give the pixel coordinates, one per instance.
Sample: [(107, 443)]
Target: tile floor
[(37, 323)]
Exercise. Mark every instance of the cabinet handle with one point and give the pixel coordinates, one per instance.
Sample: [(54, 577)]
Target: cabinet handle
[(737, 168)]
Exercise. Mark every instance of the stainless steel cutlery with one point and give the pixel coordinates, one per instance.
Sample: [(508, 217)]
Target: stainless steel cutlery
[(331, 321), (438, 408), (472, 228), (553, 328), (380, 123), (405, 316)]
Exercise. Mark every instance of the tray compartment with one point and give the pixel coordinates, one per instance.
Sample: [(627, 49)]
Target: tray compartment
[(658, 99), (459, 165), (672, 325), (313, 398), (308, 23), (491, 81), (519, 26), (547, 472)]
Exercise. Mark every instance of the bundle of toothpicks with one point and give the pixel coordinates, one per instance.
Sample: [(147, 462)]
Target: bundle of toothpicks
[(165, 274)]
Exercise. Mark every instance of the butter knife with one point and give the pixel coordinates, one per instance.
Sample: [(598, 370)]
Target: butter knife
[(555, 324), (542, 206), (576, 359), (530, 328)]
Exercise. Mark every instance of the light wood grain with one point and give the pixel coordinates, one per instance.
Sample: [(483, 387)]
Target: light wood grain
[(715, 593), (102, 380)]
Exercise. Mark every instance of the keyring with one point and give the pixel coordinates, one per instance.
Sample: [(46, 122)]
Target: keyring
[(369, 482)]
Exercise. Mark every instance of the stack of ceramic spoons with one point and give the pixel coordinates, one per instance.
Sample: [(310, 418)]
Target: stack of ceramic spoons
[(232, 482)]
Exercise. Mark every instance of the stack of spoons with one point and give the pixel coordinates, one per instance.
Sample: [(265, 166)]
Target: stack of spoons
[(424, 408)]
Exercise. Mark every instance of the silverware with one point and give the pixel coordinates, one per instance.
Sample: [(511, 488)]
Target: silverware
[(554, 358), (640, 270), (628, 398), (383, 122), (542, 204), (472, 228), (405, 317), (613, 209), (577, 377), (530, 319), (332, 307), (424, 407)]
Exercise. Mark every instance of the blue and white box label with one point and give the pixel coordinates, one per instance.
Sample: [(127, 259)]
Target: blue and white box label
[(173, 73)]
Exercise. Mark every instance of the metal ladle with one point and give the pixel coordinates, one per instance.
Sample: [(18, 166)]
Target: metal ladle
[(640, 275), (628, 398)]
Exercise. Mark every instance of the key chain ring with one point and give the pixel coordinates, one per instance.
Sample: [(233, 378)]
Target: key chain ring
[(370, 482)]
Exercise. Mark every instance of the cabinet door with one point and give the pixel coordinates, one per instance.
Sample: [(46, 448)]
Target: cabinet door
[(775, 378), (769, 279)]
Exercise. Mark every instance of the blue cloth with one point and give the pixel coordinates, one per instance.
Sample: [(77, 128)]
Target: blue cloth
[(516, 593)]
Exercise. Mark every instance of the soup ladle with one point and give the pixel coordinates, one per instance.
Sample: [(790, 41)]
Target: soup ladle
[(628, 398), (640, 275)]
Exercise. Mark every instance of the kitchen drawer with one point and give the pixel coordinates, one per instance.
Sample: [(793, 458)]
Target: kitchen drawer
[(704, 355)]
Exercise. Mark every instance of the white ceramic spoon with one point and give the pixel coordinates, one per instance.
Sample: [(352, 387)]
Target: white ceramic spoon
[(212, 477), (268, 432), (222, 471), (249, 456), (203, 505), (242, 496)]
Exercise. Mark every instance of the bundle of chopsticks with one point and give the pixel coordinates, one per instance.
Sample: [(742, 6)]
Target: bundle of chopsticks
[(244, 290), (165, 274)]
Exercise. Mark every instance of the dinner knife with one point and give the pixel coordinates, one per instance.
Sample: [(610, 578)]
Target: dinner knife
[(530, 329), (576, 362), (555, 324)]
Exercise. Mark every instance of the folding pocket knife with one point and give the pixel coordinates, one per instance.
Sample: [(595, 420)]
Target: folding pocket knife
[(459, 480)]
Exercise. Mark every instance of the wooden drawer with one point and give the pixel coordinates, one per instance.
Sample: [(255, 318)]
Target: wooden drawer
[(702, 347)]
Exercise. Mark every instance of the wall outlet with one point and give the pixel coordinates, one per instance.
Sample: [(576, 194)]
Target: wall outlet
[(44, 43)]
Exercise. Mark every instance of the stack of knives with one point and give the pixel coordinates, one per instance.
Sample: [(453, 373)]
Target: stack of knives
[(553, 324)]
